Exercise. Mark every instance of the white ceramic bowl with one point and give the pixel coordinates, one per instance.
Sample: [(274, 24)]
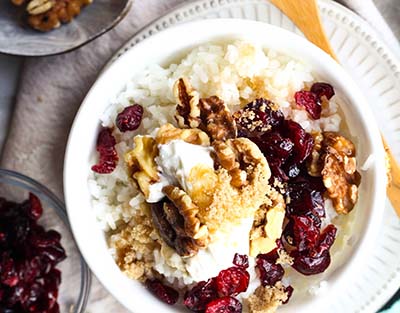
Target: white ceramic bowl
[(169, 45)]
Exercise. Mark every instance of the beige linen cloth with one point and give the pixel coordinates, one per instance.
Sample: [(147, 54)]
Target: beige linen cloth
[(50, 93)]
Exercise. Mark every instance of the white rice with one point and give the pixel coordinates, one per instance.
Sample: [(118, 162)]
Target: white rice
[(213, 69)]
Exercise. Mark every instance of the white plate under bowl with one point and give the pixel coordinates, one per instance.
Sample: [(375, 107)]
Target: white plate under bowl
[(376, 70), (183, 38)]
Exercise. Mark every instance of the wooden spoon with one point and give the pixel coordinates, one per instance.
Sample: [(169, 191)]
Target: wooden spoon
[(305, 15)]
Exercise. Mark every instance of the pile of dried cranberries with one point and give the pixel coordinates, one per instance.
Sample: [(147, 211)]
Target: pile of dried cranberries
[(29, 280), (287, 146)]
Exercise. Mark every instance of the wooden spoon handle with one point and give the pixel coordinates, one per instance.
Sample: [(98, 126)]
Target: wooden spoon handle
[(305, 15), (393, 189)]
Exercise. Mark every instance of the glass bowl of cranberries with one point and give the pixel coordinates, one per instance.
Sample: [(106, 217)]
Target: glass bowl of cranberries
[(41, 269)]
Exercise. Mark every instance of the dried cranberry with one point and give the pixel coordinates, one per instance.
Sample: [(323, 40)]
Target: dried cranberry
[(289, 291), (108, 155), (323, 89), (326, 240), (303, 142), (310, 102), (8, 273), (224, 305), (36, 208), (270, 272), (129, 118), (47, 239), (197, 298), (305, 234), (277, 172), (309, 182), (308, 265), (275, 147), (162, 292), (304, 200), (258, 116), (241, 260), (232, 281), (28, 280), (318, 259), (54, 253)]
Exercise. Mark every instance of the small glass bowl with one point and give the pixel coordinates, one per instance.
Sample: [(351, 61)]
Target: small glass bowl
[(75, 274)]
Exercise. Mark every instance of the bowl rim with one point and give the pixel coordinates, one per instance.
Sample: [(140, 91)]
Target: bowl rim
[(20, 180), (101, 32), (369, 230)]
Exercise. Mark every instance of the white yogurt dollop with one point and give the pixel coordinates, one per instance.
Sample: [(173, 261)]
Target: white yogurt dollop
[(175, 161), (207, 262), (219, 254)]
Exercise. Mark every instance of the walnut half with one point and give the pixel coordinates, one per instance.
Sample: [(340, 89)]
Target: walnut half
[(176, 220), (339, 171), (211, 115), (241, 158)]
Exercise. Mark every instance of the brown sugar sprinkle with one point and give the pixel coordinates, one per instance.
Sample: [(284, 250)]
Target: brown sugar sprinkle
[(267, 299), (134, 243)]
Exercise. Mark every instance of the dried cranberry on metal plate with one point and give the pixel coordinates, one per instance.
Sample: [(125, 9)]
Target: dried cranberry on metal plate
[(224, 305), (130, 118), (164, 293), (108, 154)]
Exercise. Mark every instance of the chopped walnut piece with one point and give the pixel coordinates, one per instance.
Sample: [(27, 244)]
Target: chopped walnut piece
[(45, 15), (187, 110), (217, 120), (339, 172), (195, 136), (187, 209), (209, 114), (314, 165), (141, 161), (176, 221), (239, 157), (267, 299)]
